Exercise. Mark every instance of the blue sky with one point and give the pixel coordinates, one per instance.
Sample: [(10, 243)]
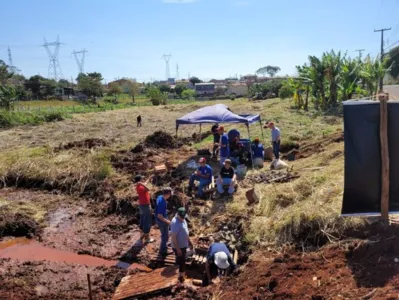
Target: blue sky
[(207, 38)]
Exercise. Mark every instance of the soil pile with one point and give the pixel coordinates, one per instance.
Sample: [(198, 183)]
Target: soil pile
[(163, 140), (18, 225), (131, 163), (272, 176), (85, 144)]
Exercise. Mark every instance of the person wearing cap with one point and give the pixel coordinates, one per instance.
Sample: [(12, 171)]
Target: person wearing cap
[(276, 139), (216, 138), (258, 153), (161, 218), (218, 257), (203, 174), (227, 177), (224, 145), (180, 240), (145, 208)]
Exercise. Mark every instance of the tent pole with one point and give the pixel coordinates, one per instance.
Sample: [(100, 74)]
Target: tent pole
[(261, 129), (200, 133), (250, 147)]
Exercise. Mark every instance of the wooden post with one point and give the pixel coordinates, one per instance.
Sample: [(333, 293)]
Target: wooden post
[(89, 283), (384, 160)]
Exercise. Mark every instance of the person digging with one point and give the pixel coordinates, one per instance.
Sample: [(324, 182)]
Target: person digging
[(218, 261), (203, 174), (180, 240), (145, 208), (227, 177), (161, 218)]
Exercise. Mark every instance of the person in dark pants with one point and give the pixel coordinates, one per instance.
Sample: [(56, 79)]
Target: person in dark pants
[(180, 240), (139, 121), (145, 208), (276, 139), (161, 218), (216, 139), (218, 258)]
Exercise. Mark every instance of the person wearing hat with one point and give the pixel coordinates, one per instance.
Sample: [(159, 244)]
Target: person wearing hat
[(180, 240), (227, 177), (161, 218), (216, 138), (219, 258), (224, 145), (258, 153), (145, 208), (276, 139), (203, 174)]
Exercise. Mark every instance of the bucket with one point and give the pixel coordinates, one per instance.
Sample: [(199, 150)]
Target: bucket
[(241, 171)]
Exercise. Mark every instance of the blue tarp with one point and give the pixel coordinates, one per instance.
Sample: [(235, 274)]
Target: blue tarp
[(218, 113)]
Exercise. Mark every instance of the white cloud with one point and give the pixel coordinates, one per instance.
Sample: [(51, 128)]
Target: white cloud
[(179, 1), (241, 3)]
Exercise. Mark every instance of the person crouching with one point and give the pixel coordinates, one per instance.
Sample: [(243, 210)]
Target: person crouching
[(258, 153), (203, 174), (227, 177)]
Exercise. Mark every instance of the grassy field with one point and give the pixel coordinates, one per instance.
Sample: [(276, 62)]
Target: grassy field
[(305, 210)]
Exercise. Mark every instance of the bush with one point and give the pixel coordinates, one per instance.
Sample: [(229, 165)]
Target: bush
[(188, 94), (285, 92), (15, 118)]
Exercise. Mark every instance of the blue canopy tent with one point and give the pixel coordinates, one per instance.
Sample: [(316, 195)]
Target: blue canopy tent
[(218, 113)]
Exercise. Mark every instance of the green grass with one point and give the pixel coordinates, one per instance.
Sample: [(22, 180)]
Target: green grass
[(15, 118)]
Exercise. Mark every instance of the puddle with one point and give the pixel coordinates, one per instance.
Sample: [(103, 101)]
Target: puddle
[(29, 250)]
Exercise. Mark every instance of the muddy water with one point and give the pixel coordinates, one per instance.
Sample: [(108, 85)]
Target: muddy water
[(29, 250)]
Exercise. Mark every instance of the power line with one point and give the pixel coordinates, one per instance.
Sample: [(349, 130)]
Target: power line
[(360, 52), (167, 57), (80, 62), (54, 68), (382, 49)]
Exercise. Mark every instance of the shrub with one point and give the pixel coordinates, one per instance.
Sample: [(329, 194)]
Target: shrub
[(188, 94)]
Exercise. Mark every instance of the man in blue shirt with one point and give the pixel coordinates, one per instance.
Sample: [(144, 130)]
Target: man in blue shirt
[(180, 240), (219, 258), (224, 145), (161, 218), (203, 174), (258, 153), (275, 139)]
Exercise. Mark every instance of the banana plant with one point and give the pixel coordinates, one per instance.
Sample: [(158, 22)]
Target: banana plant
[(7, 97)]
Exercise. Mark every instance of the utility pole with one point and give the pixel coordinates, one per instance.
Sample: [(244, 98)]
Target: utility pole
[(382, 50), (54, 69), (360, 52), (80, 62), (177, 72)]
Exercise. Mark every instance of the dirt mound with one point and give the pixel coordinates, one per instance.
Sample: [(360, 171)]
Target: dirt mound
[(161, 139), (18, 225), (85, 144), (132, 163), (360, 269), (272, 176)]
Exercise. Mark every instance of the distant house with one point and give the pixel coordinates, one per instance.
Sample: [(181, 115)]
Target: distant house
[(186, 83), (239, 89), (64, 93), (205, 89)]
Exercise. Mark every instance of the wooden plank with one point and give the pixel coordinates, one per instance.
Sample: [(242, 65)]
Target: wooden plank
[(384, 160), (139, 285), (235, 256)]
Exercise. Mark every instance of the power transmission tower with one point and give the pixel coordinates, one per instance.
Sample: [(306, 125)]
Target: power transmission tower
[(167, 57), (382, 50), (54, 68), (11, 66), (177, 72), (80, 62), (360, 52)]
